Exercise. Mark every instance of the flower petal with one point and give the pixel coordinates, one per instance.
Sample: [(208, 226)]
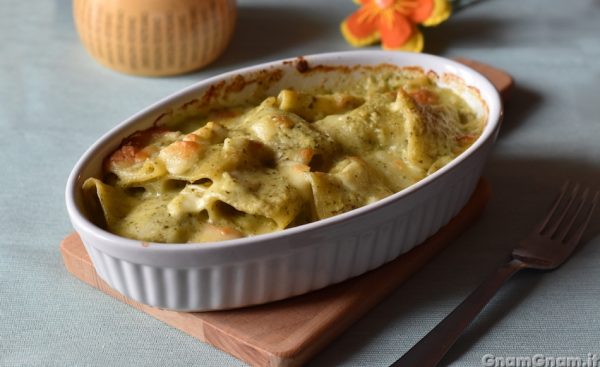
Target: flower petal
[(414, 44), (422, 11), (360, 28), (395, 31), (441, 11)]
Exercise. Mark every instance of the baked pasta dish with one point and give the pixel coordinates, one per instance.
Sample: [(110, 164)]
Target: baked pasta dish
[(291, 158)]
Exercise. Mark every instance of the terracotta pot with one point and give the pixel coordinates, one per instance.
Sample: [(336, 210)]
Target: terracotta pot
[(155, 37)]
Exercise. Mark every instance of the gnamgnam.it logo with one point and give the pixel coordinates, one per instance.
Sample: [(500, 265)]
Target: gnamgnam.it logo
[(540, 360)]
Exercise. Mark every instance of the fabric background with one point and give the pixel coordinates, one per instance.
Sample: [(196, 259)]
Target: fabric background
[(55, 101)]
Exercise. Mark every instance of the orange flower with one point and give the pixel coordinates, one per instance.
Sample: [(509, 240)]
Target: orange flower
[(394, 22)]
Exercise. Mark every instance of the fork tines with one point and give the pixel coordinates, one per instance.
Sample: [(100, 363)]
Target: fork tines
[(572, 210)]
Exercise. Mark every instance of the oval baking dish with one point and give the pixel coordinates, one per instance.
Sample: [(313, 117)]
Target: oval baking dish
[(269, 267)]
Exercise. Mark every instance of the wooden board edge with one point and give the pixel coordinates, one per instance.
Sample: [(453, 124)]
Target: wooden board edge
[(419, 256), (74, 255)]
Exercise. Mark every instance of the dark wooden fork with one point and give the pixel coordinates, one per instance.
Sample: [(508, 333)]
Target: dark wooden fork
[(547, 247)]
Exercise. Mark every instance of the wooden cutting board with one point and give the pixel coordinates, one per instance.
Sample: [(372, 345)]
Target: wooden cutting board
[(290, 332)]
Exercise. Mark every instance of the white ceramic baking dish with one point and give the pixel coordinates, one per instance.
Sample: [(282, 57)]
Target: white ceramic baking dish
[(254, 270)]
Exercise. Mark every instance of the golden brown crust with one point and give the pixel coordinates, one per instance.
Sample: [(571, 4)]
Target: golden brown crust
[(134, 149), (424, 97)]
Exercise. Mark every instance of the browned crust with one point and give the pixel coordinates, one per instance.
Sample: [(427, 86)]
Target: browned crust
[(265, 78), (131, 148), (476, 92), (159, 120)]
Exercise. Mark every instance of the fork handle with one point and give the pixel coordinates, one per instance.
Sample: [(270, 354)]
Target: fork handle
[(430, 350)]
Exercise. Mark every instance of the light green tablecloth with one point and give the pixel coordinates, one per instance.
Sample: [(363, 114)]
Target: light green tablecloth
[(55, 101)]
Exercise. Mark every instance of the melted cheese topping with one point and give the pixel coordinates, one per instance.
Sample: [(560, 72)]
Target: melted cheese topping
[(294, 158)]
